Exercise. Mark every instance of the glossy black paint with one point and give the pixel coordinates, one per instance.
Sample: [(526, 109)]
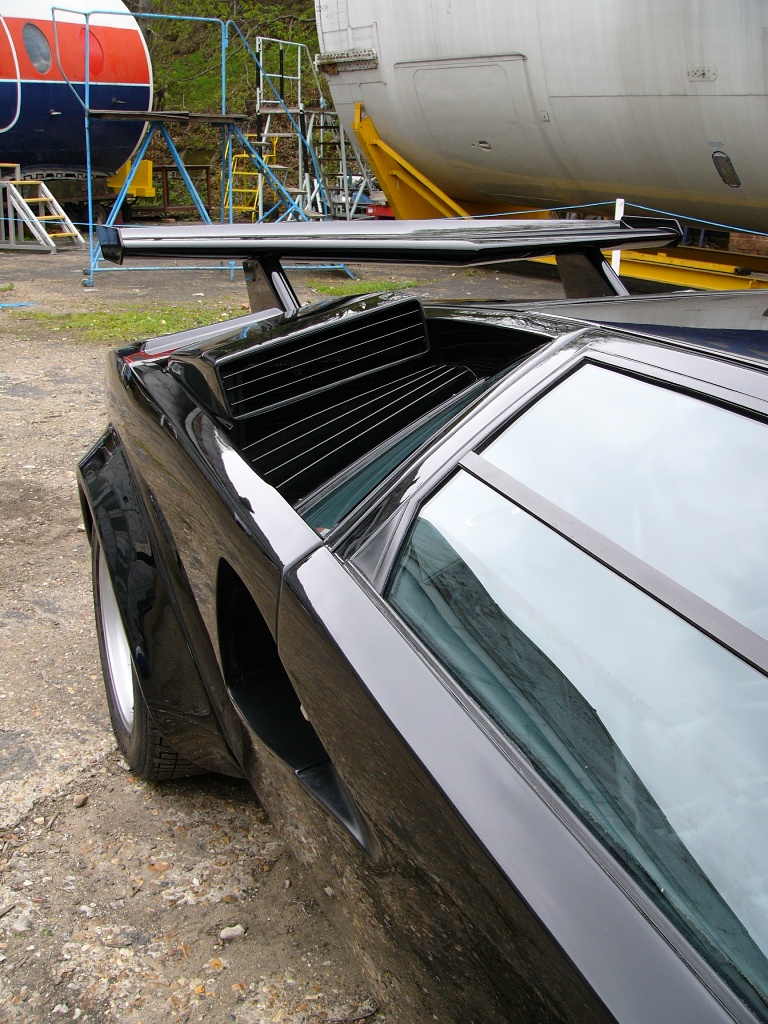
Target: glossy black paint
[(453, 821), (433, 901), (469, 889)]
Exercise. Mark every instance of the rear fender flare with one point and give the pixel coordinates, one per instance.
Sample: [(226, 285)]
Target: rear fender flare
[(168, 675)]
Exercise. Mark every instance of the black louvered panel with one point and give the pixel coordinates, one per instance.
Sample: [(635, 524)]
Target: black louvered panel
[(287, 370), (299, 447)]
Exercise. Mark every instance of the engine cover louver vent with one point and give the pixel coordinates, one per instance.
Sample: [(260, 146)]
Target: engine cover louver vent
[(295, 453), (354, 344)]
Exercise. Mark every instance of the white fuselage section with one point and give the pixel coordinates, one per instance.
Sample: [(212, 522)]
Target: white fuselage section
[(548, 102)]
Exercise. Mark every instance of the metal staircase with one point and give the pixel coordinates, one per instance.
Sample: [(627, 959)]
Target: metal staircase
[(309, 167), (345, 177), (31, 217)]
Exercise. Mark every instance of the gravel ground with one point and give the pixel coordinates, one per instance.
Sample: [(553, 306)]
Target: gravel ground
[(121, 900)]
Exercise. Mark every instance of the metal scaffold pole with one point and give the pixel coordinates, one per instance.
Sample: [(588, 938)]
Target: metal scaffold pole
[(286, 121)]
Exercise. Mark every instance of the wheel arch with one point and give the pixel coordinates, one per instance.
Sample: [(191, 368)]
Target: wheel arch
[(171, 684)]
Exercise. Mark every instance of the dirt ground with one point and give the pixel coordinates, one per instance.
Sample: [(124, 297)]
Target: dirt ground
[(115, 895)]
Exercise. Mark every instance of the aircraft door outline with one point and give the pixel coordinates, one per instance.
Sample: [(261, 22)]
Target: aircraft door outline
[(9, 109)]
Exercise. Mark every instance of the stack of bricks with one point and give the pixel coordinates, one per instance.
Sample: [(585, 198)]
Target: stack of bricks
[(752, 244)]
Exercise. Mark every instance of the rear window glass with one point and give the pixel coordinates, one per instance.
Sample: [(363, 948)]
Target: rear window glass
[(328, 507)]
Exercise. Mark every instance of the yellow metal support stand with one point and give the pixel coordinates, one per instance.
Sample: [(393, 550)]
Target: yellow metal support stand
[(141, 186), (697, 268), (680, 271), (411, 195)]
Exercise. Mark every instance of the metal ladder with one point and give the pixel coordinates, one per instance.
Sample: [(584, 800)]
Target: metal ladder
[(346, 180), (243, 186), (315, 170), (34, 221), (287, 90)]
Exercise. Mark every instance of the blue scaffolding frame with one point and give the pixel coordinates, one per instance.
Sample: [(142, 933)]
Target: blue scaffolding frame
[(157, 124)]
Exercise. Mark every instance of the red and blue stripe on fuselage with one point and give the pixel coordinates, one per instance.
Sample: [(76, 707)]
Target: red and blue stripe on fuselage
[(42, 66)]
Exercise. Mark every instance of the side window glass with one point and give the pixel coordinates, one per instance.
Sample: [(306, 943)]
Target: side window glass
[(675, 480), (37, 47), (653, 733)]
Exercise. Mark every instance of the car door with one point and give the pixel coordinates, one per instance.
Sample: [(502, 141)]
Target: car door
[(524, 856)]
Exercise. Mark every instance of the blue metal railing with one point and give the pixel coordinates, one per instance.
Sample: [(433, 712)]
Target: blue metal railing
[(230, 132), (612, 203)]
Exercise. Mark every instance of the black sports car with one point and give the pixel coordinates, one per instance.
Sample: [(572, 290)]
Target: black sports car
[(476, 595)]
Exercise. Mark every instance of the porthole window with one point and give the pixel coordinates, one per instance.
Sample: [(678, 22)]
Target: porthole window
[(725, 169), (37, 47)]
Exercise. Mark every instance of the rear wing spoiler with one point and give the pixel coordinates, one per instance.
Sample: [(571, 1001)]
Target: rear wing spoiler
[(458, 243)]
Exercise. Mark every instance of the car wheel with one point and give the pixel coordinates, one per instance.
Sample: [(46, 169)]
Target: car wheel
[(144, 748)]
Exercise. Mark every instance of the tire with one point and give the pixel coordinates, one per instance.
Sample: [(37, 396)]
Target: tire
[(149, 756)]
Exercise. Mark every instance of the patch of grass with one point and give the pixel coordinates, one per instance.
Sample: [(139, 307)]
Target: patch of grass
[(118, 327), (360, 287), (6, 287)]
